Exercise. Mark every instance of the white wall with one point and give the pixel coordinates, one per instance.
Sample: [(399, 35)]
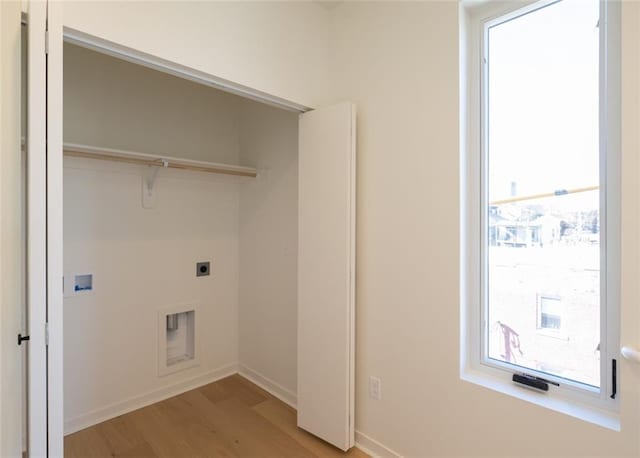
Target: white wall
[(144, 260), (399, 63), (279, 48), (11, 261), (268, 246), (115, 104)]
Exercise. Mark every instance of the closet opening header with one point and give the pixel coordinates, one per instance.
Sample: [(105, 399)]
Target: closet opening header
[(181, 71)]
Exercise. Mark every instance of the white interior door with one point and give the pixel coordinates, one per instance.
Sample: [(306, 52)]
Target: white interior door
[(44, 229), (11, 261), (326, 273)]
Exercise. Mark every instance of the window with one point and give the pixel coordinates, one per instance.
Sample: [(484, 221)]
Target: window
[(551, 321), (549, 313), (542, 197)]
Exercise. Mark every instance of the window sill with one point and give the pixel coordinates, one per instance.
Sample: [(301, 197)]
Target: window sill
[(606, 419)]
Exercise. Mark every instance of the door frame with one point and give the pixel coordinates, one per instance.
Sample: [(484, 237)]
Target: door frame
[(54, 228), (44, 229), (45, 214), (38, 421)]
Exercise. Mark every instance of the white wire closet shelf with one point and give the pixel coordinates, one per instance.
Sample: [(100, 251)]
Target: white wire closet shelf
[(130, 157)]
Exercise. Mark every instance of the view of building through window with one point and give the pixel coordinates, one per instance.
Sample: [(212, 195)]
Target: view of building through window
[(542, 221)]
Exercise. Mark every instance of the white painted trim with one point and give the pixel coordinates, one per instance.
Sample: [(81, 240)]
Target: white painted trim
[(54, 215), (285, 395), (111, 411), (372, 447), (582, 410), (110, 48), (36, 231), (352, 276)]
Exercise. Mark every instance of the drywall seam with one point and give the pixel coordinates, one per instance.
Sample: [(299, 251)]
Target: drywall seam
[(106, 413), (288, 397)]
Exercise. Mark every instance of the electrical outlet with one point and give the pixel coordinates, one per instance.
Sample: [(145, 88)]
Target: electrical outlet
[(375, 388)]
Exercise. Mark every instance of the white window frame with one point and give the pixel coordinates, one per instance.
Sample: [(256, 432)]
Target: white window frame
[(575, 399)]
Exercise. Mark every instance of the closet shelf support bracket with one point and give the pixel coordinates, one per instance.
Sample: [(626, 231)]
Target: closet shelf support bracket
[(149, 182)]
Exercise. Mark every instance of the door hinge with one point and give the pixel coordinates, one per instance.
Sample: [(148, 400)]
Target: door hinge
[(46, 334), (46, 42)]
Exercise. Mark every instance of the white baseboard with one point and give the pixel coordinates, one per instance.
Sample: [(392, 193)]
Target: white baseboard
[(106, 413), (277, 390), (373, 448)]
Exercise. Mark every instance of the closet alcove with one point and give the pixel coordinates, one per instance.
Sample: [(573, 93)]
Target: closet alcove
[(162, 174)]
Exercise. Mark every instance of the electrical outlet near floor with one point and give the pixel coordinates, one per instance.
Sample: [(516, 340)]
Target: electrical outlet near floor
[(375, 388)]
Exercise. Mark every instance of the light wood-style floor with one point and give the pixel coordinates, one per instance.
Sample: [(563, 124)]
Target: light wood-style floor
[(230, 418)]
